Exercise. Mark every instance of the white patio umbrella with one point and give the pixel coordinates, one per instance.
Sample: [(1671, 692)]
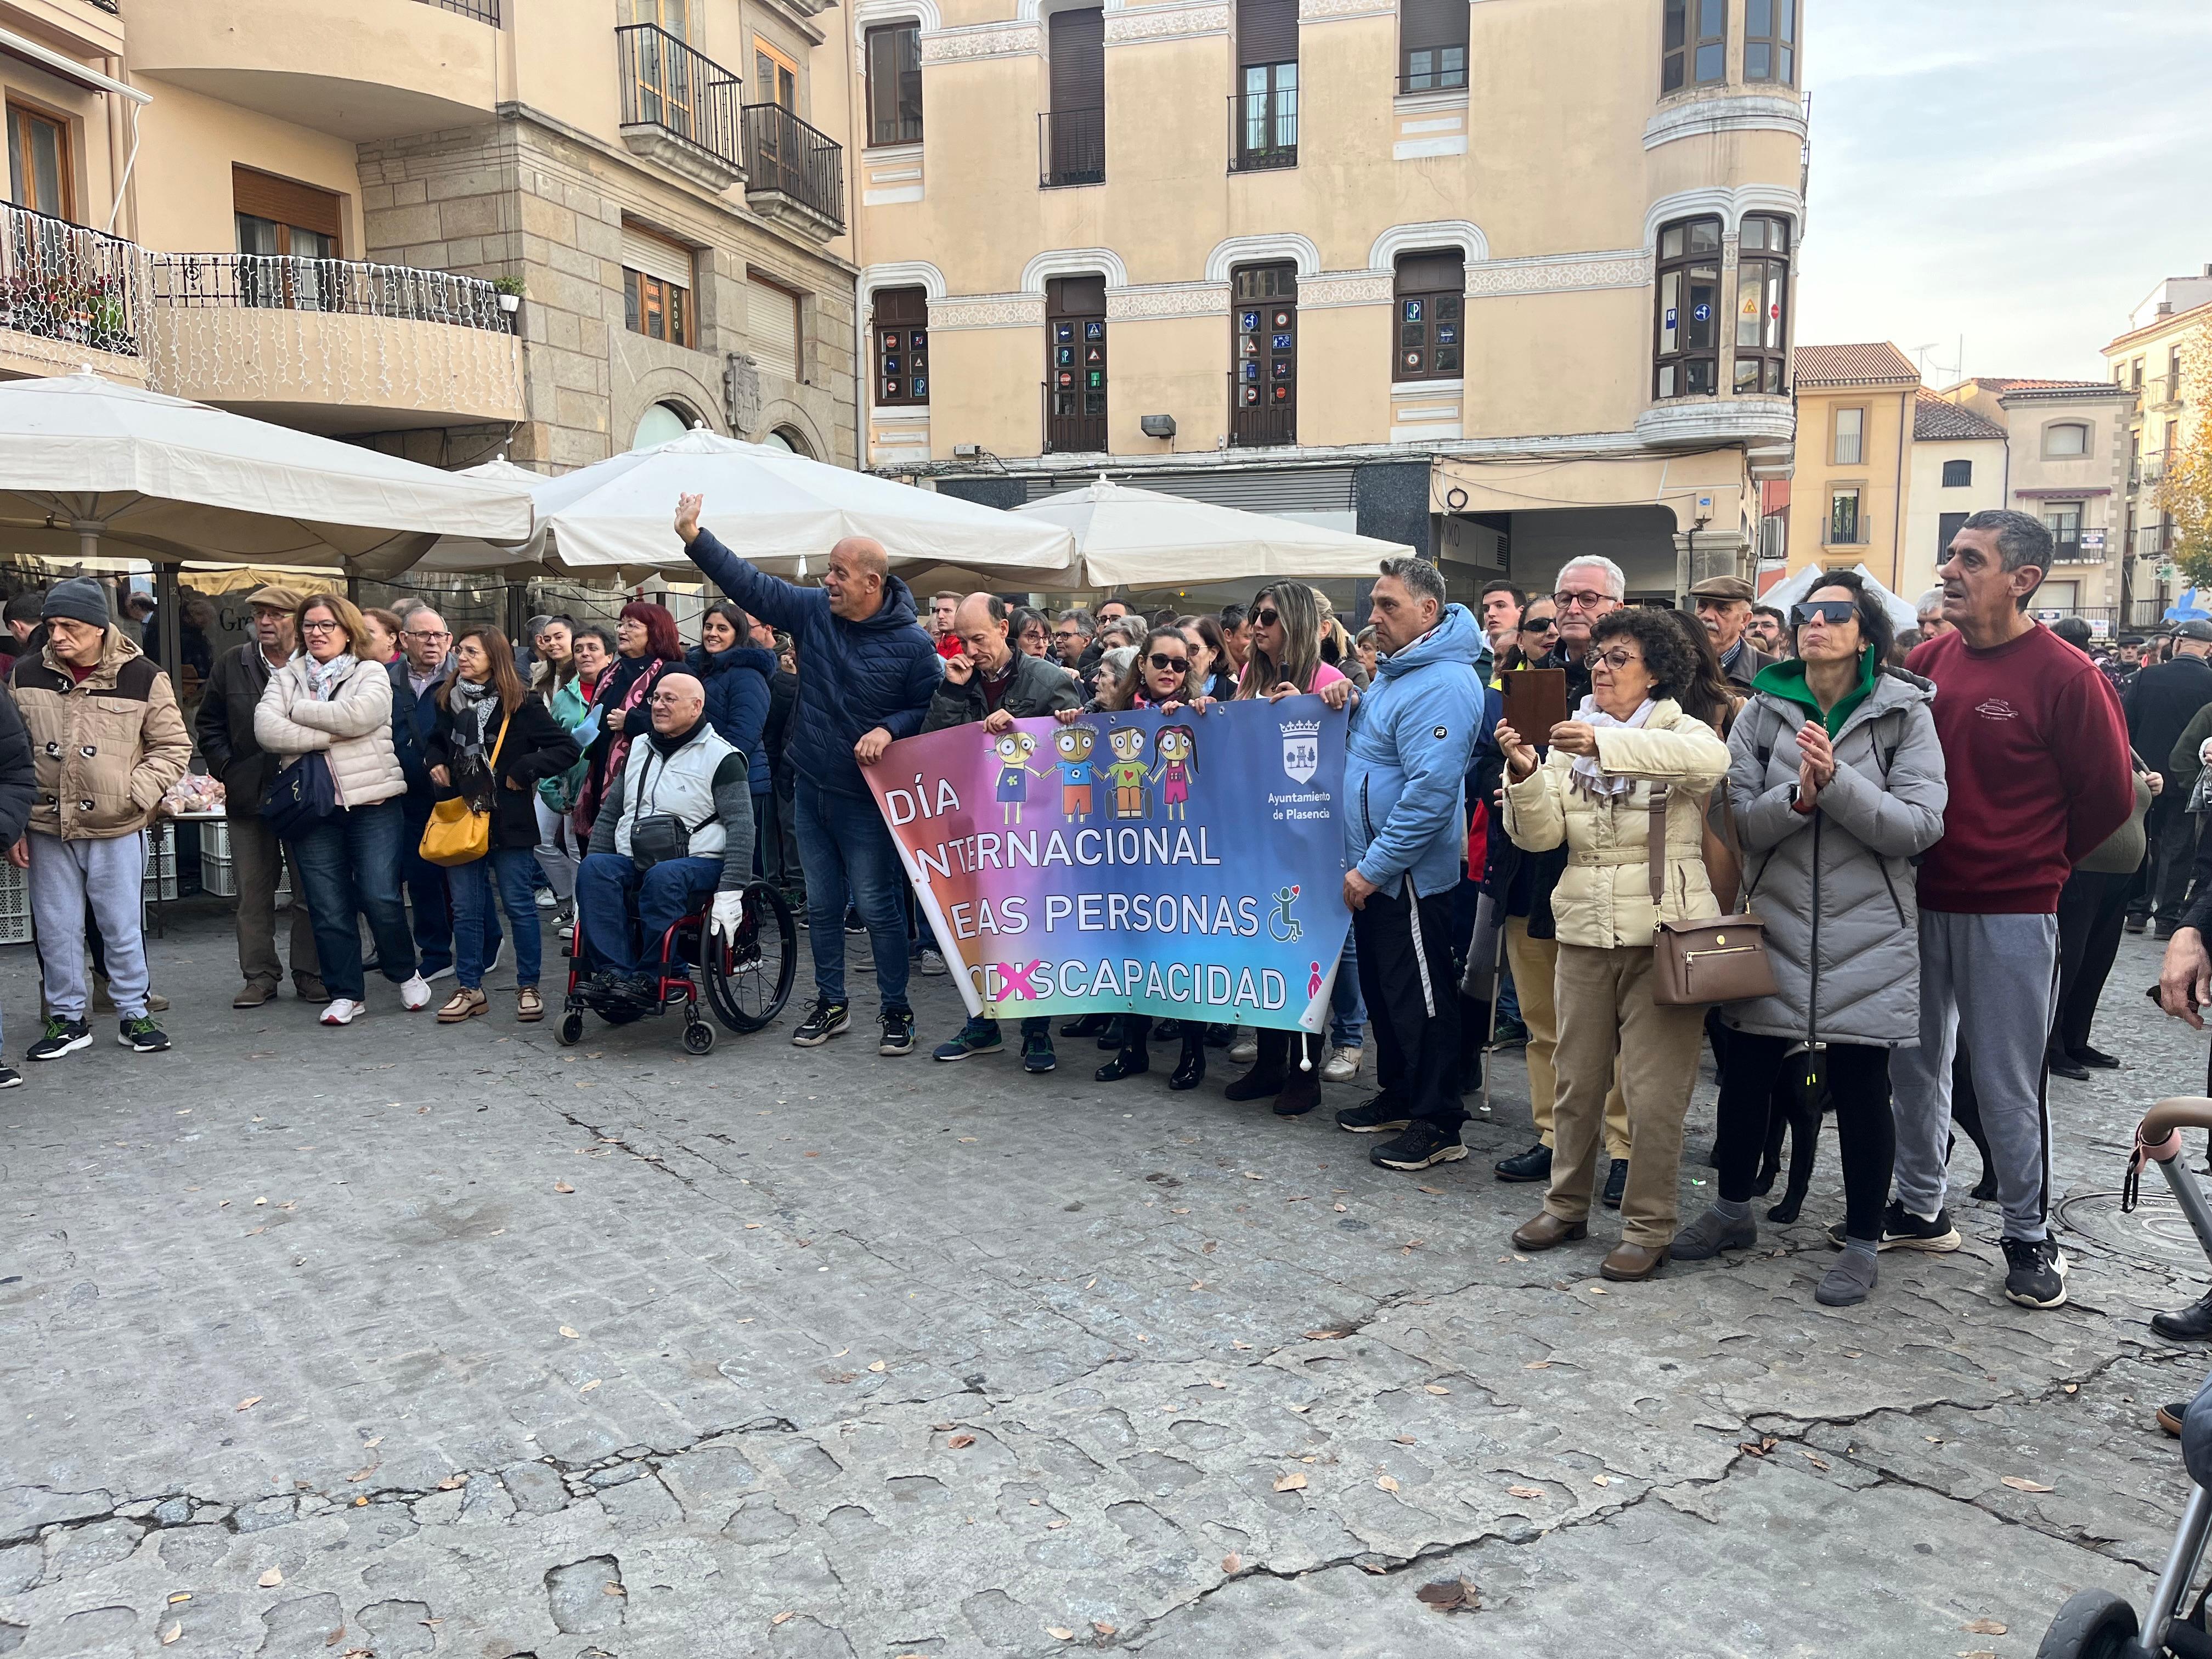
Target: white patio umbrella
[(783, 512), (1796, 586), (90, 467), (1129, 538)]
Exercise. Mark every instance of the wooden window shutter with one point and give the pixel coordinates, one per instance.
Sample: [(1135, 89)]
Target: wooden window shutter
[(1079, 60), (265, 196), (772, 319), (1433, 273), (1424, 24), (1267, 31), (656, 256), (1075, 296)]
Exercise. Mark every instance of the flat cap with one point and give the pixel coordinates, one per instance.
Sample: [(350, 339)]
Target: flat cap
[(2194, 628), (1724, 587), (274, 598)]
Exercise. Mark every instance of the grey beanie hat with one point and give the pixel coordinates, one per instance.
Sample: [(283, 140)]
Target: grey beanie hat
[(80, 598)]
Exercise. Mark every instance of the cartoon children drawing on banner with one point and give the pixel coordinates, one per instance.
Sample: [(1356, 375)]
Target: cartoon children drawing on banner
[(1128, 772), (1074, 744), (1177, 748), (1013, 750)]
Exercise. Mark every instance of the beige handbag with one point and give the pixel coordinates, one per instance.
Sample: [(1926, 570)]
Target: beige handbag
[(1696, 962)]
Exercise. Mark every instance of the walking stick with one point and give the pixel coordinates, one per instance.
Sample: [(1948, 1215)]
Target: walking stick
[(1490, 1037)]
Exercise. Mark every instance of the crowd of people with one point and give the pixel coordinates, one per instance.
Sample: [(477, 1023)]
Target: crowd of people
[(1939, 830)]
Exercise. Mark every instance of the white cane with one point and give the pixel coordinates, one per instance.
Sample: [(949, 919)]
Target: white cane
[(1490, 1037)]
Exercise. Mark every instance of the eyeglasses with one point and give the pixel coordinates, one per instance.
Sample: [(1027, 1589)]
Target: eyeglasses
[(319, 627), (1834, 612), (418, 633), (1616, 661), (1161, 659), (1265, 619), (1583, 600)]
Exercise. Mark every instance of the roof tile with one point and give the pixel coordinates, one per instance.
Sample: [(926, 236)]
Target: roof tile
[(1873, 363), (1934, 420)]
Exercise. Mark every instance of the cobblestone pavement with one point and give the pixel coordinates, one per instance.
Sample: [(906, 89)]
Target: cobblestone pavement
[(409, 1340)]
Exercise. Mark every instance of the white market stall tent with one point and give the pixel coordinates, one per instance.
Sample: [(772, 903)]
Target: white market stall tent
[(1141, 538)]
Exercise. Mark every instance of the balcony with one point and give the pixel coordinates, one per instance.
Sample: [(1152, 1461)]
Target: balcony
[(2153, 541), (794, 175), (1071, 147), (680, 107), (363, 71), (2077, 546), (331, 345), (68, 296), (1263, 123)]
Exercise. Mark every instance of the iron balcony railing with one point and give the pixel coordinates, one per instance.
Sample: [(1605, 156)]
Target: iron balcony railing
[(1443, 75), (112, 6), (2067, 547), (259, 282), (2153, 541), (685, 93), (1263, 130), (1071, 147), (61, 281), (785, 154), (1256, 426), (484, 11)]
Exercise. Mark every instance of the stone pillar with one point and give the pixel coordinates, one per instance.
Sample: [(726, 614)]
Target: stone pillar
[(1704, 553)]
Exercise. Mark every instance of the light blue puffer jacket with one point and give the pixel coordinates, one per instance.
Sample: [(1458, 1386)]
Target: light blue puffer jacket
[(1406, 759)]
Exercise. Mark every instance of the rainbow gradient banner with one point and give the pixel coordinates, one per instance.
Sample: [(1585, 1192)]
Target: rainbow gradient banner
[(1189, 867)]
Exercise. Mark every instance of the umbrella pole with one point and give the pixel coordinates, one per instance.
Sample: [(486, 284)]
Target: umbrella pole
[(172, 626)]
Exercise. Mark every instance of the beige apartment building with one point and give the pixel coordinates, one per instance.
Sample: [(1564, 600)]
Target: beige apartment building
[(1850, 494), (1502, 279), (308, 210), (2165, 393)]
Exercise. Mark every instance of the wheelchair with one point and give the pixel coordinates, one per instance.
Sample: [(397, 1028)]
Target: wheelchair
[(746, 983), (2096, 1624)]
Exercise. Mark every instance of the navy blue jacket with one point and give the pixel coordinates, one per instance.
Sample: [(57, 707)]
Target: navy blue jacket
[(853, 676), (737, 682), (413, 719)]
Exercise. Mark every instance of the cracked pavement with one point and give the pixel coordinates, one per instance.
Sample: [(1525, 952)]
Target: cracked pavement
[(310, 1350)]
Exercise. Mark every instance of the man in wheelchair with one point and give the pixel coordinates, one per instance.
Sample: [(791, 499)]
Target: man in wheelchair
[(676, 829)]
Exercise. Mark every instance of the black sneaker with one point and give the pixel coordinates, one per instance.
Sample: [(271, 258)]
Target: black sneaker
[(1901, 1230), (10, 1077), (1534, 1164), (2035, 1272), (63, 1036), (1422, 1144), (142, 1036), (825, 1020), (898, 1032), (1036, 1052), (1378, 1114)]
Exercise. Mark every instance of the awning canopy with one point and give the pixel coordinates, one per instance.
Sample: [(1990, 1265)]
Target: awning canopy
[(1128, 537)]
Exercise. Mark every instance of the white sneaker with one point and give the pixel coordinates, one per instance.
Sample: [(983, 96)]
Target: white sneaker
[(548, 899), (1243, 1051), (568, 934), (344, 1010), (490, 966), (415, 995), (446, 972), (1341, 1066)]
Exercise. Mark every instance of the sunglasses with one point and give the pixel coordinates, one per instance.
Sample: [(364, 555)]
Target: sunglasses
[(1161, 659), (1834, 612), (1539, 625), (1265, 619)]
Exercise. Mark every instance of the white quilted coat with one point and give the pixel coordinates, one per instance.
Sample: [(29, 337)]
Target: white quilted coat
[(352, 730)]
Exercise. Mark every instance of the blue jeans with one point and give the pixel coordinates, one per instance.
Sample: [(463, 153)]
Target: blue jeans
[(1348, 1009), (849, 858), (609, 887), (427, 887), (349, 863), (513, 871)]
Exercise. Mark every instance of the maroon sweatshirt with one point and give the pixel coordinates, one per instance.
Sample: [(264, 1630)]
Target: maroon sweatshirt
[(2036, 752)]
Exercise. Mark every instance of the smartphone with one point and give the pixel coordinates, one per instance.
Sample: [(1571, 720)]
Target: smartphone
[(2193, 1004), (1535, 701)]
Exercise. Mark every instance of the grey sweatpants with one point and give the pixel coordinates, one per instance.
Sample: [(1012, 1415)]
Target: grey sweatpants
[(112, 875), (1986, 981)]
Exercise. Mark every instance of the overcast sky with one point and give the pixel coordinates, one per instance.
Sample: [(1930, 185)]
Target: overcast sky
[(2019, 172)]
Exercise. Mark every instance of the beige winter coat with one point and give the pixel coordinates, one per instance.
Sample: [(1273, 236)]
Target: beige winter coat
[(106, 747), (353, 730), (1604, 897)]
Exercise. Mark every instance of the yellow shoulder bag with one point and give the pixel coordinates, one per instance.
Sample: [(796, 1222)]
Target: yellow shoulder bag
[(457, 833)]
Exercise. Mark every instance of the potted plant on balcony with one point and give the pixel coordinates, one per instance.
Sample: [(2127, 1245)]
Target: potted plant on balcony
[(509, 289)]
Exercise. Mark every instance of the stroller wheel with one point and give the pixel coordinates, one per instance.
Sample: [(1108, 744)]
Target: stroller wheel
[(698, 1037), (2094, 1624), (570, 1031)]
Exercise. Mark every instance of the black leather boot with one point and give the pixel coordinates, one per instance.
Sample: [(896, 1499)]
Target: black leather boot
[(1135, 1057), (1190, 1068), (1301, 1091), (1265, 1080)]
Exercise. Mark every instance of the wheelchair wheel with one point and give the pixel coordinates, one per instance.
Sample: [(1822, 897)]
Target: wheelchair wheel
[(2094, 1624), (570, 1031), (698, 1037), (748, 983)]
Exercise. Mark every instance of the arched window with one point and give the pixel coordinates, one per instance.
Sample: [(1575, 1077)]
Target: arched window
[(1075, 365), (785, 439), (1430, 289), (2066, 438), (659, 423), (1685, 355)]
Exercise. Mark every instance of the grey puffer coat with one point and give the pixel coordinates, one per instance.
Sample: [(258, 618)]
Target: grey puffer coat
[(1842, 874)]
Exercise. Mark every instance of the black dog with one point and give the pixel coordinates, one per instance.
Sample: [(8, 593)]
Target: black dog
[(1787, 1109)]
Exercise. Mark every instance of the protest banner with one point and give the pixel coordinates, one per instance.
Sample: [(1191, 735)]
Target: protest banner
[(1189, 866)]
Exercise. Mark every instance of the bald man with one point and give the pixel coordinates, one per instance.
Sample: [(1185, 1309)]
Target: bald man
[(674, 833), (866, 672)]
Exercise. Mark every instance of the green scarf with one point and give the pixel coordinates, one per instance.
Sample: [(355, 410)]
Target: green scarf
[(1786, 680)]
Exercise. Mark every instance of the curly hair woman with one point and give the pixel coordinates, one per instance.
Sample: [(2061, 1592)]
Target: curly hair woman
[(1596, 791)]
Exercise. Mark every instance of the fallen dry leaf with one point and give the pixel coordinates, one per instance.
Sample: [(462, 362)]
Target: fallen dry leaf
[(1436, 1388), (1294, 1481), (1814, 1458), (1537, 1365), (782, 1617), (1060, 1633), (1054, 1526), (1102, 1629), (562, 1187), (566, 1332), (613, 1588), (1524, 1492), (1324, 1336), (172, 1634), (2073, 1387), (1447, 1595), (1984, 1628), (181, 1595), (1341, 1208), (1600, 1481), (271, 1579), (1232, 1563), (1432, 1190), (373, 1441), (960, 1442), (452, 1481), (2021, 1483), (586, 1388), (248, 1403), (752, 1226), (877, 1367), (1386, 1483), (1595, 1289), (362, 1475)]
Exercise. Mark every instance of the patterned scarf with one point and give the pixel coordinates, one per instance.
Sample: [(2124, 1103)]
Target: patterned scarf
[(324, 678), (1586, 774), (473, 706)]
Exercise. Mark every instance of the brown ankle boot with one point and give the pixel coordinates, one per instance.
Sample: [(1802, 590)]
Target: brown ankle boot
[(1546, 1231), (1629, 1264)]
